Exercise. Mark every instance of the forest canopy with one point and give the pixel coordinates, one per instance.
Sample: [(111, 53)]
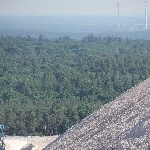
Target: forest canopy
[(46, 86)]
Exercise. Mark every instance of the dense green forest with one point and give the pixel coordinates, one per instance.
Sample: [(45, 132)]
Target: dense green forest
[(46, 86)]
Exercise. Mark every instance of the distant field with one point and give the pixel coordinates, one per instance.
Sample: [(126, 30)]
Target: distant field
[(74, 26)]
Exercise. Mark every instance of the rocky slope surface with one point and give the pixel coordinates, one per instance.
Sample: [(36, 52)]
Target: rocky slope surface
[(121, 124)]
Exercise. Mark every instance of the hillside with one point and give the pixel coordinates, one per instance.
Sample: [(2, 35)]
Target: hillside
[(121, 124)]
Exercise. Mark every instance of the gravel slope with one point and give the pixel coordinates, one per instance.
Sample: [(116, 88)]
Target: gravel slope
[(121, 124)]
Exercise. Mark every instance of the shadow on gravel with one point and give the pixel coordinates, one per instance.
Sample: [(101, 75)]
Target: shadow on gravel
[(29, 147)]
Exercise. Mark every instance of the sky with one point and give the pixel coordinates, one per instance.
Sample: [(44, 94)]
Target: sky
[(72, 7)]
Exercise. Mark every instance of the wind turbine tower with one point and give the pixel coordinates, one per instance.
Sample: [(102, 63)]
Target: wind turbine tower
[(118, 14), (146, 15)]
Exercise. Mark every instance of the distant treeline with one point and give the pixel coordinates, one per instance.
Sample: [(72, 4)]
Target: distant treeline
[(46, 85), (83, 31)]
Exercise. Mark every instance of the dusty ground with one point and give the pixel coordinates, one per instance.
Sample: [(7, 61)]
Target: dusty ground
[(19, 142)]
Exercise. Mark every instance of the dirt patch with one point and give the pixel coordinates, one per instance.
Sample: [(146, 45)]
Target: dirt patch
[(28, 143)]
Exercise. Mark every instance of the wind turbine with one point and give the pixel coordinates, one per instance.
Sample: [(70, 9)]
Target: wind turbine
[(146, 15), (118, 14)]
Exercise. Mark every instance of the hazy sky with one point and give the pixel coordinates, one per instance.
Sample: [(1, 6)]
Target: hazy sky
[(89, 7)]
